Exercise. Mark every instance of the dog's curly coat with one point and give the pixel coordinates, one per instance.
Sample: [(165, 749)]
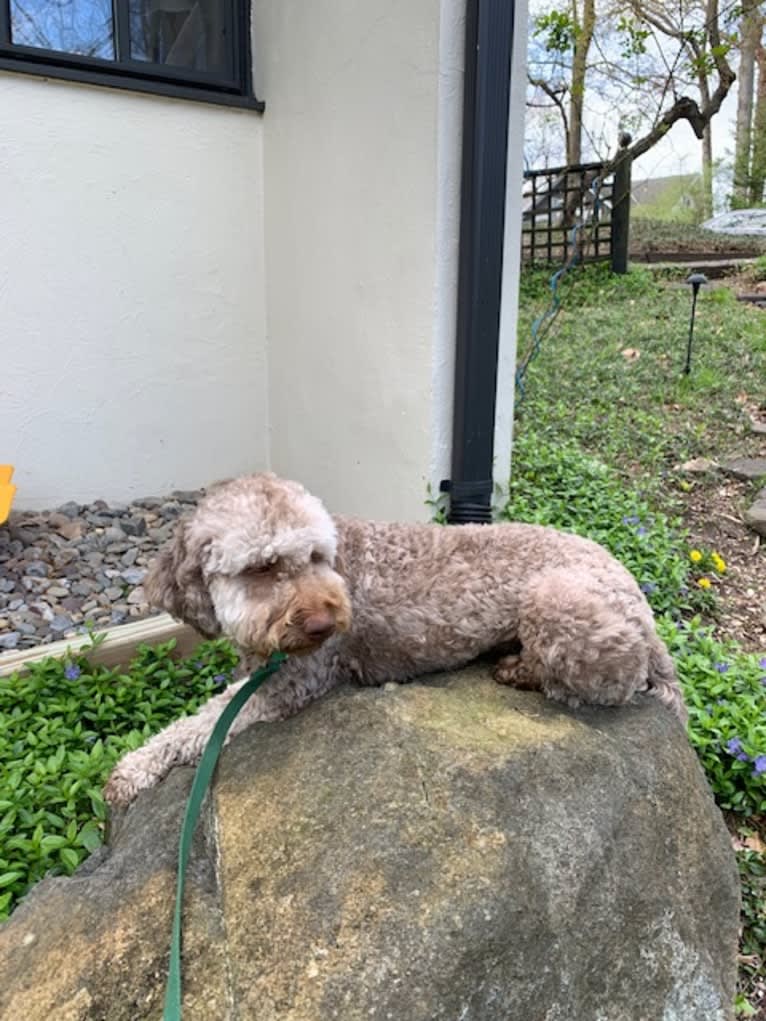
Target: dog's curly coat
[(261, 560)]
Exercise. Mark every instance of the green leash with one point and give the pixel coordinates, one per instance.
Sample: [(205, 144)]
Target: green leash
[(202, 777)]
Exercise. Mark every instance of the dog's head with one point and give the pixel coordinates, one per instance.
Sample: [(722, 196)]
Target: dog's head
[(256, 562)]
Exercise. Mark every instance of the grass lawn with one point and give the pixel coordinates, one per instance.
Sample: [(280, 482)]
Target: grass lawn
[(609, 374), (606, 424), (608, 378)]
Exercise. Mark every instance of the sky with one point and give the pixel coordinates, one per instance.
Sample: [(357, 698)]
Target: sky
[(680, 152)]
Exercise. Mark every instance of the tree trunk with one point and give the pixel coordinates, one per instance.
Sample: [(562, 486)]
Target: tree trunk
[(707, 173), (750, 37), (758, 162), (583, 35), (707, 153)]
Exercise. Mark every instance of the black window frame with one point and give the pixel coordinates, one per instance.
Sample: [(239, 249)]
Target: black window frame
[(125, 72)]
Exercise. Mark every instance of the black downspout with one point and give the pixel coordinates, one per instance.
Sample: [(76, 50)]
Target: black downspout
[(488, 44)]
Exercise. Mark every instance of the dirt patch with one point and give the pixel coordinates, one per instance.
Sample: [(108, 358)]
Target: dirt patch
[(650, 239), (712, 513)]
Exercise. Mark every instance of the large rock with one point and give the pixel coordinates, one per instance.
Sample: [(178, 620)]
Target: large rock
[(444, 850)]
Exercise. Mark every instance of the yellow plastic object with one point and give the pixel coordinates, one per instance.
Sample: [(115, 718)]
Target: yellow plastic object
[(7, 489)]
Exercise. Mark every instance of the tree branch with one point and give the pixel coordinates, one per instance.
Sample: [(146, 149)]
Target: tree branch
[(555, 96)]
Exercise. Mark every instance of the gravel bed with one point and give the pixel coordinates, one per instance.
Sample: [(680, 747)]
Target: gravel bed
[(80, 565)]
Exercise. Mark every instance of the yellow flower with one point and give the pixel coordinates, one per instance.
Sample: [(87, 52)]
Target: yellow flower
[(718, 562), (695, 556), (704, 582)]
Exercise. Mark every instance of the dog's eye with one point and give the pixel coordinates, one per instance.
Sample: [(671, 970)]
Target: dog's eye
[(316, 557), (258, 569)]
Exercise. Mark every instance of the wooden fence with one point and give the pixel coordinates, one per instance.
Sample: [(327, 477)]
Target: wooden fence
[(557, 199)]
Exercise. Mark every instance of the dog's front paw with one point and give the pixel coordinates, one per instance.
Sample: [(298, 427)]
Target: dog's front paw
[(512, 670), (130, 776)]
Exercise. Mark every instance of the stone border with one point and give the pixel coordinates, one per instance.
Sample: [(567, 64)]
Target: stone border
[(117, 648)]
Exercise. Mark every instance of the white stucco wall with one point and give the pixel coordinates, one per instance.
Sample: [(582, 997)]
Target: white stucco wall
[(354, 225), (132, 292), (190, 291), (449, 168)]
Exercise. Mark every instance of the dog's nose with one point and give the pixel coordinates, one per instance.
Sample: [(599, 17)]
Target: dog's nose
[(319, 625)]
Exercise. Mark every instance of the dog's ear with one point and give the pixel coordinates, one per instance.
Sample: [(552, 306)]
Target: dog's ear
[(175, 584), (339, 565)]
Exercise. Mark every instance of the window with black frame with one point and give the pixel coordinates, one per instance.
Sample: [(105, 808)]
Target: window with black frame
[(197, 49)]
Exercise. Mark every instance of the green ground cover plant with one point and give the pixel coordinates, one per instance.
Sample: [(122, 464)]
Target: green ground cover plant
[(63, 725), (608, 374), (724, 687)]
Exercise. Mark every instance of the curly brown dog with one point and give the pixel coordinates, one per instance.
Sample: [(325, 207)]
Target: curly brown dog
[(262, 561)]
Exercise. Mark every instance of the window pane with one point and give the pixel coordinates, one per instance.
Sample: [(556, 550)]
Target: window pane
[(67, 26), (192, 34)]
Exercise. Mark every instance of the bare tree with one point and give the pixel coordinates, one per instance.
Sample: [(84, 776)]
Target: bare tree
[(758, 161), (560, 76), (656, 62), (556, 99), (751, 29), (702, 56), (584, 22)]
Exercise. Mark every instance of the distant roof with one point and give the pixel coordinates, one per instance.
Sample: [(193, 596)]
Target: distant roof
[(648, 191)]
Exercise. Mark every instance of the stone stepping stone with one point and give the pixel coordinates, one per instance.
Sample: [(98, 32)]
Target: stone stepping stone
[(699, 465), (747, 468), (755, 516)]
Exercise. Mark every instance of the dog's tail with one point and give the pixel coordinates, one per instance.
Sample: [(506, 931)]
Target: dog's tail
[(663, 680)]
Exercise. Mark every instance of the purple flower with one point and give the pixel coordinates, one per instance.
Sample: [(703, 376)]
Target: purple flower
[(722, 667), (641, 531), (198, 664), (733, 746), (72, 672), (759, 765), (648, 588), (762, 663), (742, 757), (220, 679), (631, 520)]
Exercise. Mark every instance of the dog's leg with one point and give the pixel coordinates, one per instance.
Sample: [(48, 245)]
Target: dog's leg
[(182, 743), (581, 641), (516, 672), (179, 744)]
